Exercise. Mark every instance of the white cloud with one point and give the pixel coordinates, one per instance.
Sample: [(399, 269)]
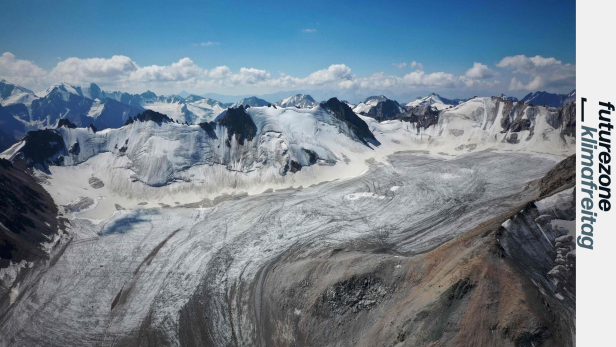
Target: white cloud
[(539, 73), (219, 72), (334, 73), (207, 43), (76, 70), (122, 73), (183, 70), (19, 71), (435, 79), (480, 71), (250, 76), (310, 30), (399, 65), (416, 64)]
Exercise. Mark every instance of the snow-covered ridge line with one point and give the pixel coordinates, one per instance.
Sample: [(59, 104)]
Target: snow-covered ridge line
[(435, 100), (298, 100), (262, 144), (258, 148)]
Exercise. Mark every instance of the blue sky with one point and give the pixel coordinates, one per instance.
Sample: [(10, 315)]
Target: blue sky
[(367, 37)]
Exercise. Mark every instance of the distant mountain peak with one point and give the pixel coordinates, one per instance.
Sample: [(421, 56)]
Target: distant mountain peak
[(435, 100), (549, 99), (251, 101), (297, 100)]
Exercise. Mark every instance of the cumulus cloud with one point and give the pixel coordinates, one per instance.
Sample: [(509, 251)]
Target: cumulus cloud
[(534, 73), (334, 73), (122, 73), (480, 71), (310, 30), (219, 72), (122, 69), (20, 71), (435, 79), (76, 70), (399, 65), (250, 76), (183, 70)]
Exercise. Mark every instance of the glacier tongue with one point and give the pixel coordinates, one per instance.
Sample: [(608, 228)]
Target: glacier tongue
[(146, 270)]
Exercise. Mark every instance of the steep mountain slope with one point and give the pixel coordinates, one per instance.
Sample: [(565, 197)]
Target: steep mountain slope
[(10, 129), (13, 94), (27, 215), (65, 101), (299, 100), (245, 149), (30, 227), (500, 284), (92, 105), (482, 123), (549, 99), (62, 100)]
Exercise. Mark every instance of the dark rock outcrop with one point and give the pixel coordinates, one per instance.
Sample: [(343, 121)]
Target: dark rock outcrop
[(149, 115), (10, 129), (41, 145), (564, 120), (562, 176), (27, 213), (344, 113), (384, 110), (424, 116), (208, 127), (238, 123), (63, 122)]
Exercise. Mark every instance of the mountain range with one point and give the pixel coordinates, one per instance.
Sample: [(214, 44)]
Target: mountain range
[(195, 222), (22, 110), (436, 101), (549, 99)]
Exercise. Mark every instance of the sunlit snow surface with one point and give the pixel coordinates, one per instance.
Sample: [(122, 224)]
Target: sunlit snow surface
[(160, 164), (160, 232), (149, 263)]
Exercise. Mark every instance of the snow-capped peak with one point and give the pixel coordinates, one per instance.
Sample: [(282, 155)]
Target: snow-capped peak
[(13, 94), (62, 88), (549, 99), (379, 107), (251, 101), (299, 100), (433, 100)]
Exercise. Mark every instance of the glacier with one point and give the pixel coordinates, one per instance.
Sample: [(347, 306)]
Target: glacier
[(141, 274), (174, 231)]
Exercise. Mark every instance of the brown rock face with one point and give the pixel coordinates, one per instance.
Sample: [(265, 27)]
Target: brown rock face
[(468, 292), (27, 213)]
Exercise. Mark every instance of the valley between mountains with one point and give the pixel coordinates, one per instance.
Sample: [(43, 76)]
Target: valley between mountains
[(298, 223)]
